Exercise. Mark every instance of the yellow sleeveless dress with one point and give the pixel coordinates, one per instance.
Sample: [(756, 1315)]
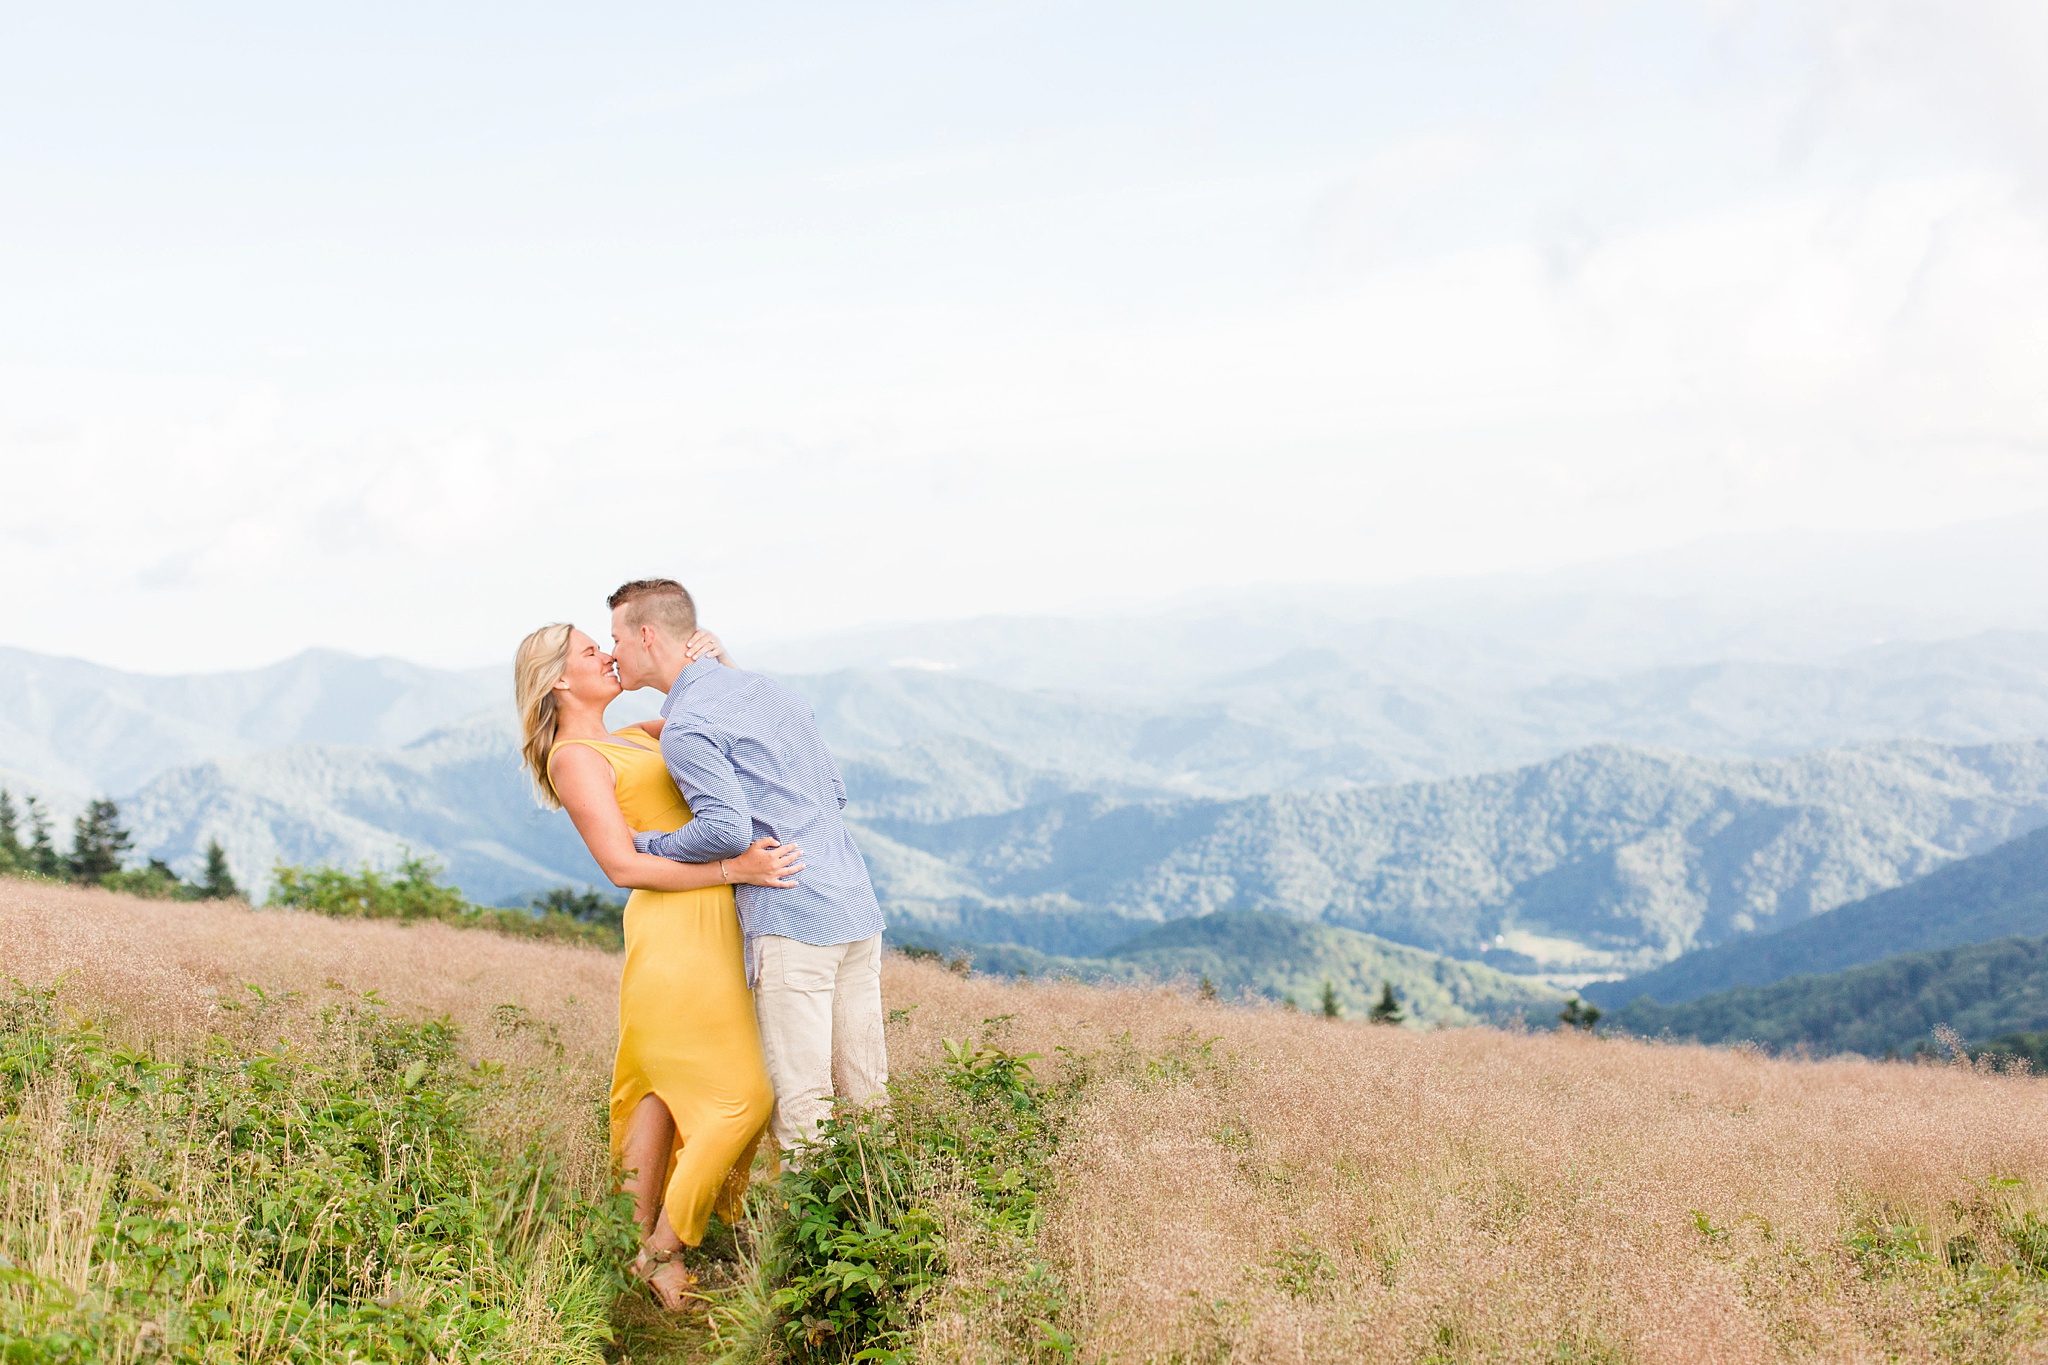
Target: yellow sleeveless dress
[(686, 1019)]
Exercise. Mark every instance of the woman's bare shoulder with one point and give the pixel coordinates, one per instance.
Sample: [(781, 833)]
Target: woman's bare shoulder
[(578, 755)]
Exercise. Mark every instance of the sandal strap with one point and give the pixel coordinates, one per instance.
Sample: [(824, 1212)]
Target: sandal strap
[(656, 1257)]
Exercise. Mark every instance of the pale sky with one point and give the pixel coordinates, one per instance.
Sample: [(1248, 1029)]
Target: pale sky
[(402, 330)]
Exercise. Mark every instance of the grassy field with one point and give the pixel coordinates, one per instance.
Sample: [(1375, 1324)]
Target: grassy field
[(318, 1169)]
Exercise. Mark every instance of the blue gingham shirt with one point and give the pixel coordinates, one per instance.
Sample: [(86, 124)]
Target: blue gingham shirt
[(746, 752)]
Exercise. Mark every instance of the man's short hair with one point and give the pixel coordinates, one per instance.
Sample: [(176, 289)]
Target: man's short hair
[(659, 602)]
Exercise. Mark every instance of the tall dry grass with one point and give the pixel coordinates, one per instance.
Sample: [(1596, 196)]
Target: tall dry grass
[(1251, 1185), (1272, 1187), (160, 971)]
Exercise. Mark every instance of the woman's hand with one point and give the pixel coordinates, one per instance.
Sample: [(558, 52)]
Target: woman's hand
[(766, 863), (704, 645)]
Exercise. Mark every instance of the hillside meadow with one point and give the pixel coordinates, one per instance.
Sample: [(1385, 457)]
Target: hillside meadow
[(1135, 1174)]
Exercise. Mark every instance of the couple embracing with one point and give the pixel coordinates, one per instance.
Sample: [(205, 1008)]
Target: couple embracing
[(709, 815)]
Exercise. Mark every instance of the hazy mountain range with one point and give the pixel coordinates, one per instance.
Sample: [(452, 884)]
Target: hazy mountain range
[(80, 728), (1565, 782)]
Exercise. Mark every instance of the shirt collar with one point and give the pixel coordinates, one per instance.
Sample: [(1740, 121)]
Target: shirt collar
[(685, 678)]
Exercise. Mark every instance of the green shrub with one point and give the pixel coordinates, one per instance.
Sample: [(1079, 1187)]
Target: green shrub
[(1579, 1015), (330, 1200), (415, 892), (859, 1257), (153, 881), (586, 907)]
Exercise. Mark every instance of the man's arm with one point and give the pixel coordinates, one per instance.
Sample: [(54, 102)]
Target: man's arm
[(723, 824)]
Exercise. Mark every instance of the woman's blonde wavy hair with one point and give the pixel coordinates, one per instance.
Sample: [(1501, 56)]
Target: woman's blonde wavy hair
[(542, 659)]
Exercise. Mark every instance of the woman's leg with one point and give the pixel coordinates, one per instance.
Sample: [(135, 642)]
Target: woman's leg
[(650, 1136)]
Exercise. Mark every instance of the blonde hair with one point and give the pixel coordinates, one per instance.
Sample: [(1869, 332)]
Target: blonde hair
[(542, 659)]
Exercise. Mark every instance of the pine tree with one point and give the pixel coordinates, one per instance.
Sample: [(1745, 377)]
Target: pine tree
[(11, 851), (1577, 1014), (218, 884), (40, 857), (1331, 1009), (1388, 1009), (97, 843), (1207, 988)]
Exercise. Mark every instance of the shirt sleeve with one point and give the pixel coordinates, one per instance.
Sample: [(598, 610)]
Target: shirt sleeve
[(838, 783), (722, 823)]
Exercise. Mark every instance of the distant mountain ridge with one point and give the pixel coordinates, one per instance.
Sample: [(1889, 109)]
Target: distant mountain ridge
[(1426, 784), (1339, 715), (1999, 893), (1279, 709), (1604, 855), (457, 794), (95, 731)]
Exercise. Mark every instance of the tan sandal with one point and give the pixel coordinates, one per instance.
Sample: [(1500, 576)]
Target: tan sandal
[(650, 1263)]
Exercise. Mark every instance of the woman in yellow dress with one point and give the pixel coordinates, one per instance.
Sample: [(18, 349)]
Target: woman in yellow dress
[(690, 1095)]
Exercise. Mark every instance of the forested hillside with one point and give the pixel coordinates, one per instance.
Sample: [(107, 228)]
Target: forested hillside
[(1982, 991), (1605, 855), (2000, 893), (1295, 962)]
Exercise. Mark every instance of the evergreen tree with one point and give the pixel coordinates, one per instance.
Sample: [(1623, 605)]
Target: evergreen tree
[(1577, 1014), (1388, 1009), (1207, 989), (40, 857), (218, 884), (11, 851), (97, 843), (1331, 1009)]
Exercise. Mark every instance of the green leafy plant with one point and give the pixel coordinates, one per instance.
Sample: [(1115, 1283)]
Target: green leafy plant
[(1578, 1014), (859, 1253), (329, 1198)]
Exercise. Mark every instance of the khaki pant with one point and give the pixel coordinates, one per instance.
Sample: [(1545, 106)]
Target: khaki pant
[(821, 1028)]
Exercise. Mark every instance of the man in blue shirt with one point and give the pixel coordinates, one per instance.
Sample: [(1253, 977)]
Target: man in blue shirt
[(747, 755)]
